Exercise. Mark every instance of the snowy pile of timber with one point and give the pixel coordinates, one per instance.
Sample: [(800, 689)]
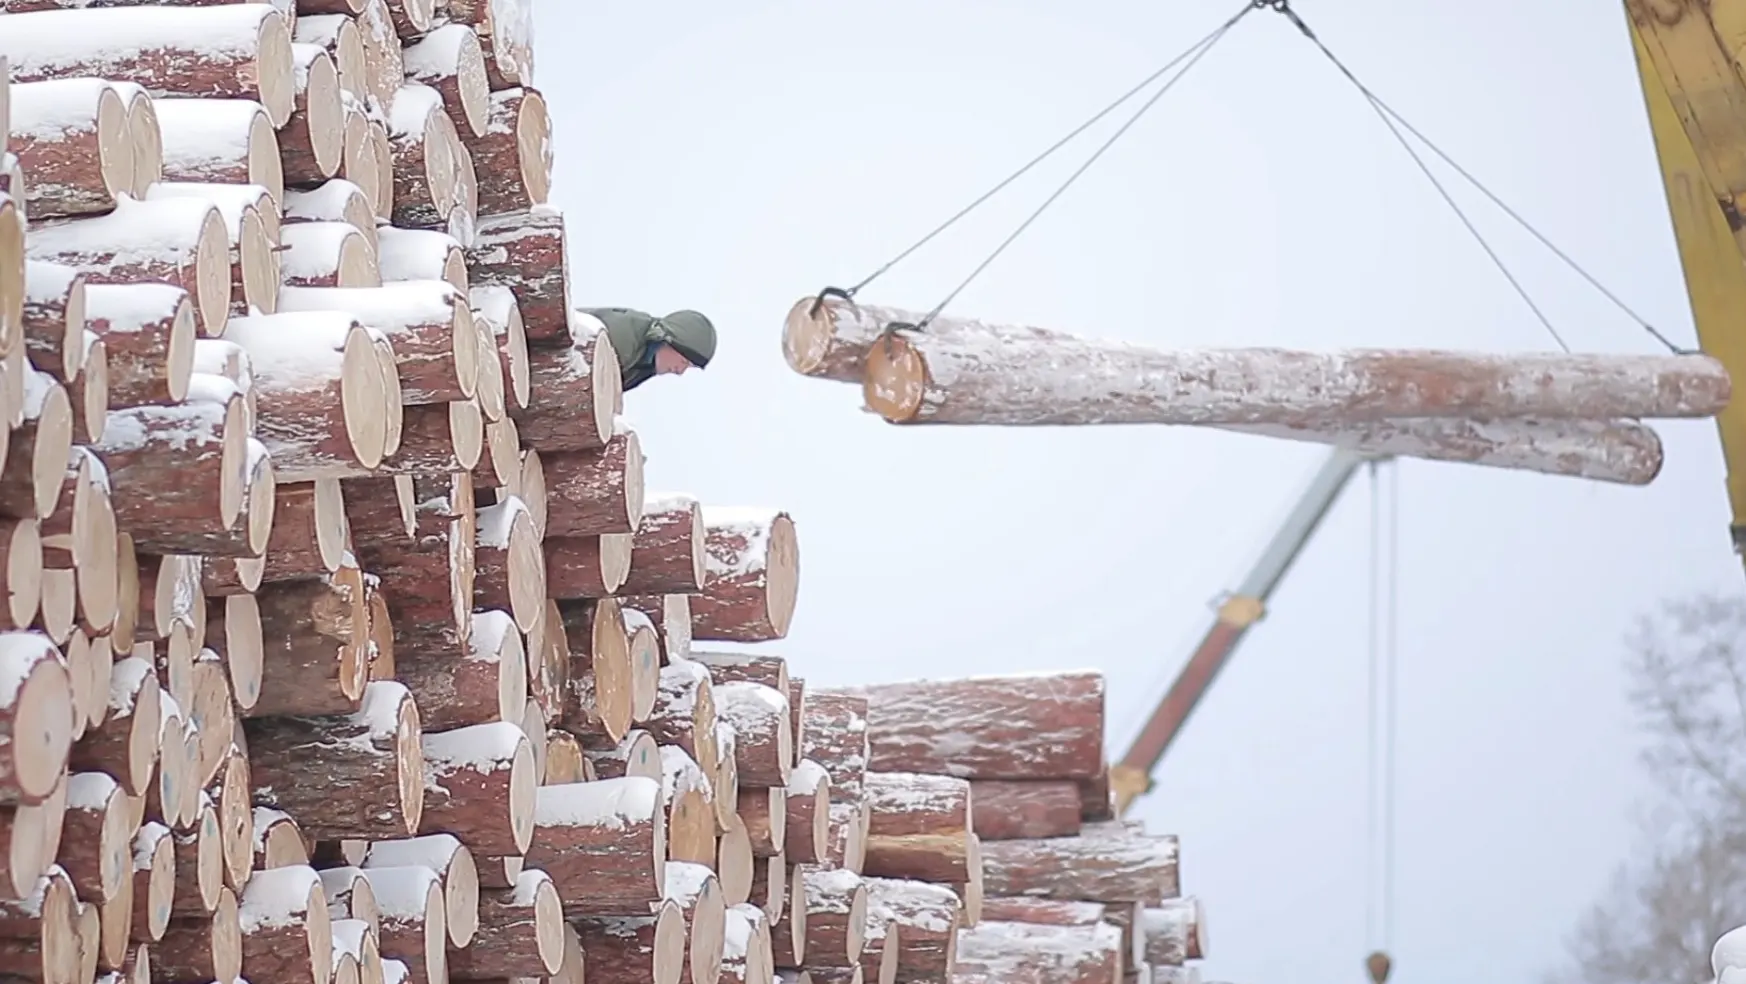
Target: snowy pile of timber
[(1554, 413), (340, 641)]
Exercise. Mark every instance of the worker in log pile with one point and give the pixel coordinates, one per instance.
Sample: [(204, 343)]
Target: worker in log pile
[(648, 346)]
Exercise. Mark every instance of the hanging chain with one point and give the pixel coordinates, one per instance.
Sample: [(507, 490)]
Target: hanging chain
[(1186, 59)]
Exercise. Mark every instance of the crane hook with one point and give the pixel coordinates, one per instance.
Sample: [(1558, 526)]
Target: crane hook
[(1378, 965)]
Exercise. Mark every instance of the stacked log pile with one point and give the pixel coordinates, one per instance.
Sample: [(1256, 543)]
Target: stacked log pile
[(342, 643), (1558, 414)]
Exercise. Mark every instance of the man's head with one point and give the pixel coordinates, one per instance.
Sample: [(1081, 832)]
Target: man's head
[(685, 339)]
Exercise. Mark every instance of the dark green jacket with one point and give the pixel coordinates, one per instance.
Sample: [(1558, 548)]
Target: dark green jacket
[(636, 335)]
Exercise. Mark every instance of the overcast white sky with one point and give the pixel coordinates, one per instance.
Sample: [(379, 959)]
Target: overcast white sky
[(735, 157)]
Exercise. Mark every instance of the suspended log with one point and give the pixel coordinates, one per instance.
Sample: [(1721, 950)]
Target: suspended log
[(753, 576), (636, 754), (278, 842), (1029, 726), (580, 567)]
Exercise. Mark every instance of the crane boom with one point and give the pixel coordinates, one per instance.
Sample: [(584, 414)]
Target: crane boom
[(1132, 775)]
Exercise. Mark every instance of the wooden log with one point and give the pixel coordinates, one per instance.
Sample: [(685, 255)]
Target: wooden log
[(439, 439), (97, 846), (449, 60), (413, 927), (1173, 931), (835, 901), (573, 394), (251, 219), (696, 891), (636, 754), (463, 218), (89, 390), (36, 721), (428, 323), (770, 878), (580, 567), (924, 918), (453, 863), (734, 859), (765, 813), (72, 140), (753, 575), (671, 615), (763, 745), (521, 933), (918, 827), (1029, 726), (199, 863), (229, 141), (1621, 451), (148, 141), (153, 863), (603, 843), (690, 807), (357, 775), (424, 145), (668, 555), (421, 254), (966, 372), (726, 777), (320, 392), (525, 252), (54, 318), (513, 152), (316, 654), (486, 683), (635, 949), (442, 553), (599, 698), (645, 656), (21, 540), (37, 931), (334, 200), (846, 836), (309, 530), (327, 254), (181, 241), (148, 340), (1028, 951), (480, 784), (278, 842), (180, 476), (312, 142), (565, 760), (1106, 862), (203, 947), (761, 668), (286, 932), (37, 451), (807, 824), (231, 52), (836, 727), (1018, 809), (496, 307), (745, 955), (548, 668), (32, 836), (509, 565), (593, 492), (685, 713), (337, 34)]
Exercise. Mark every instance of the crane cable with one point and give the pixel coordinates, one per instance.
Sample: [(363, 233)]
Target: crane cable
[(1383, 661)]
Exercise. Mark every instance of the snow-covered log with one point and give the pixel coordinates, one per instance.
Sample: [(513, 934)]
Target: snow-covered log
[(593, 492), (513, 152), (521, 932), (428, 323), (180, 475), (72, 139), (1105, 862), (486, 683), (312, 142), (425, 145), (54, 311), (524, 251), (449, 60), (599, 700), (668, 554), (327, 254), (480, 785), (1028, 951), (763, 738), (919, 826), (636, 949), (753, 576), (603, 843), (226, 141), (316, 651), (1019, 808), (509, 563)]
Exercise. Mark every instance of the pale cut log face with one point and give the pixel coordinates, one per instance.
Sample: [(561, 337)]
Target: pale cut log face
[(325, 113), (264, 167), (805, 338), (115, 143), (533, 137), (148, 144)]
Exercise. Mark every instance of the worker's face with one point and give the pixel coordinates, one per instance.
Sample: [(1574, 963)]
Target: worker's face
[(668, 360)]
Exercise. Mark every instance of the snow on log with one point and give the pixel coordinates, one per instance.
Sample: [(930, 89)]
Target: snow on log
[(251, 221), (668, 554), (72, 139), (37, 450), (771, 671), (835, 901), (179, 241), (240, 51), (967, 372), (636, 754), (1174, 931), (312, 142), (833, 343), (599, 698), (763, 739), (603, 843), (463, 219), (925, 920), (690, 806), (148, 339), (428, 323), (1621, 451), (806, 827), (337, 34), (309, 530), (179, 475), (635, 949), (753, 569), (509, 563), (54, 319), (524, 251), (125, 744), (485, 683), (1106, 862), (335, 200), (1019, 726), (315, 646), (37, 931), (327, 254), (685, 713), (286, 932), (745, 955), (97, 839), (421, 254), (278, 843), (480, 784), (586, 566), (425, 144), (1055, 954), (358, 775), (413, 921), (497, 310), (1017, 809), (918, 827), (454, 865), (698, 894), (513, 153), (449, 60), (521, 932), (836, 738), (593, 492), (36, 723), (223, 141)]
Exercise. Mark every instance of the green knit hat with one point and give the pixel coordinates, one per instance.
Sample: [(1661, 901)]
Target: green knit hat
[(689, 332)]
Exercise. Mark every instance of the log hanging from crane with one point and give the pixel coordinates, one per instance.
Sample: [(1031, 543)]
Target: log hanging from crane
[(961, 371)]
